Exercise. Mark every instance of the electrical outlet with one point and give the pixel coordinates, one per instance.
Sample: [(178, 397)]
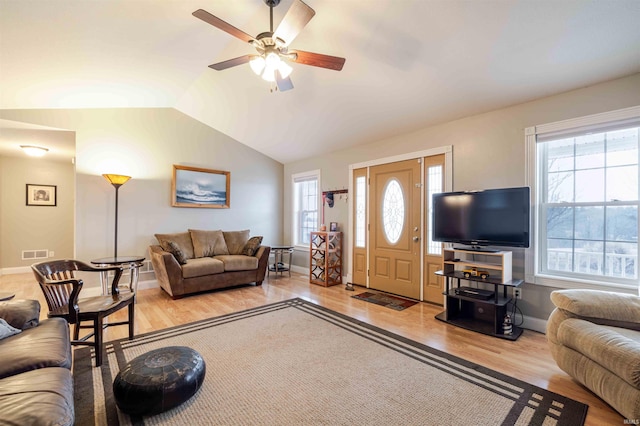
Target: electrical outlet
[(51, 253), (517, 293)]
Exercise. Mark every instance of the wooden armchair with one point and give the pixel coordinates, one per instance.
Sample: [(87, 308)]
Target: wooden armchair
[(61, 289)]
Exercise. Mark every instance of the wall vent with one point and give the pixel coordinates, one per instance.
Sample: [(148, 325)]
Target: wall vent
[(35, 254)]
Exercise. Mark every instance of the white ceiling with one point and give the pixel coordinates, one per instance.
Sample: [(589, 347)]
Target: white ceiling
[(410, 63)]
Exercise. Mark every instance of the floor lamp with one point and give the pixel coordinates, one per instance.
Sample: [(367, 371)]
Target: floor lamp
[(117, 181)]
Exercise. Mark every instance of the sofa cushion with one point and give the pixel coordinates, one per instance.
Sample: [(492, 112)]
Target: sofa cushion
[(21, 313), (601, 307), (38, 397), (613, 348), (202, 266), (251, 247), (208, 243), (236, 240), (238, 262), (177, 252), (182, 239), (38, 347)]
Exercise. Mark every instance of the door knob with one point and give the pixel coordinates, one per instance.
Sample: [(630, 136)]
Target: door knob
[(416, 239)]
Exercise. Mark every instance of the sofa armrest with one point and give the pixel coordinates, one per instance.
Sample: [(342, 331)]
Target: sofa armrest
[(22, 314), (263, 262), (601, 307), (167, 269)]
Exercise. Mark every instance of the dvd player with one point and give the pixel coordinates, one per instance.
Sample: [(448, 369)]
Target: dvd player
[(476, 293)]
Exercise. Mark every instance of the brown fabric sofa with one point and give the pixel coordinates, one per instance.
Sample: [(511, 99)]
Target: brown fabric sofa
[(36, 386), (202, 260), (594, 336)]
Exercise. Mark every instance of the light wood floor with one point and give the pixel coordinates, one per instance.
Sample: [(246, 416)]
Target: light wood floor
[(527, 359)]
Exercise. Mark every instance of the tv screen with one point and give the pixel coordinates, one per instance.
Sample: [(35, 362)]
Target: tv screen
[(494, 217)]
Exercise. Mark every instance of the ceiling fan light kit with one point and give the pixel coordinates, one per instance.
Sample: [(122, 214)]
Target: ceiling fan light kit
[(272, 47)]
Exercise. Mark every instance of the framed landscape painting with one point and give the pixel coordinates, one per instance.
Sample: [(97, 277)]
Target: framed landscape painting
[(42, 195), (197, 187)]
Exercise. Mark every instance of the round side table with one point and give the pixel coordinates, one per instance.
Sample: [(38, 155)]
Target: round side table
[(133, 263)]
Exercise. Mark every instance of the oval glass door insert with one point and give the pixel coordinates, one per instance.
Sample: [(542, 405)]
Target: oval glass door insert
[(393, 211)]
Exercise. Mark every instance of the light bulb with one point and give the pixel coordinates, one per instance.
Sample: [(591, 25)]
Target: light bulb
[(269, 74), (257, 64), (272, 62), (285, 69)]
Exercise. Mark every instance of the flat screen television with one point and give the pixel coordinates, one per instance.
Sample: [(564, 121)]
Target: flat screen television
[(493, 217)]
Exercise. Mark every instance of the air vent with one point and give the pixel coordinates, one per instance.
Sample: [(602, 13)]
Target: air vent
[(35, 254)]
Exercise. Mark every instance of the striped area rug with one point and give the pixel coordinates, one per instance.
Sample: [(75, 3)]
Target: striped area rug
[(296, 363)]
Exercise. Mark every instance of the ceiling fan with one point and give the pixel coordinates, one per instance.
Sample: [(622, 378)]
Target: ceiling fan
[(272, 48)]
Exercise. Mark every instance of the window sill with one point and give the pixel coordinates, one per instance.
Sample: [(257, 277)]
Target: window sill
[(556, 282)]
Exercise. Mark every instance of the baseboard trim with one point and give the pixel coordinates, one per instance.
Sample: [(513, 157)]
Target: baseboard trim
[(535, 324), (15, 270), (299, 269)]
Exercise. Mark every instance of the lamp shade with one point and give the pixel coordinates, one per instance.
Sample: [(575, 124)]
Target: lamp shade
[(116, 180)]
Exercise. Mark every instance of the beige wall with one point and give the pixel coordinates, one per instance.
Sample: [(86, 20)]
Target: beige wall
[(488, 152), (144, 144), (25, 227)]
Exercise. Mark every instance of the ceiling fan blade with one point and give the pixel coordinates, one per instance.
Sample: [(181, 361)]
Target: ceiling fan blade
[(298, 15), (284, 84), (220, 24), (231, 62), (318, 60)]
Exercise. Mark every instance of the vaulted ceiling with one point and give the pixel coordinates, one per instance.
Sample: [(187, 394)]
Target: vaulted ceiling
[(409, 63)]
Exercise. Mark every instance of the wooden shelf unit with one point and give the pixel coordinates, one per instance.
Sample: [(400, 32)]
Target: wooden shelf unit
[(498, 264), (325, 258)]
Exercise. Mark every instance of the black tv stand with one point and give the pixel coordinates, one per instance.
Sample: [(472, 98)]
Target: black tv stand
[(471, 311)]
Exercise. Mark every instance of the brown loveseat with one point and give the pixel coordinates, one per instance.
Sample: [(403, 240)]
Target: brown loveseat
[(36, 386), (200, 260)]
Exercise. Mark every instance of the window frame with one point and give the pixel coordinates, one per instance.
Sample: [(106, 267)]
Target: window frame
[(596, 123), (295, 211)]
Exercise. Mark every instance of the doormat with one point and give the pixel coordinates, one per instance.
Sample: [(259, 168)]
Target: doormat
[(393, 302)]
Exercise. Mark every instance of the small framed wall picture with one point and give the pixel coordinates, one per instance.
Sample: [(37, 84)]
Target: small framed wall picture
[(42, 195), (333, 226)]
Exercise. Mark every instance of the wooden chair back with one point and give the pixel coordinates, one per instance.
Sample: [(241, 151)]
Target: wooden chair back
[(61, 287)]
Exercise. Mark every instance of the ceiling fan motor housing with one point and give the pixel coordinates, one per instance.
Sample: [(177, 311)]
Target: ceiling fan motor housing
[(272, 3)]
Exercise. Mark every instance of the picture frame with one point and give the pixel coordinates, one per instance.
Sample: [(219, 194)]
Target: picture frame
[(199, 187), (333, 227), (42, 195)]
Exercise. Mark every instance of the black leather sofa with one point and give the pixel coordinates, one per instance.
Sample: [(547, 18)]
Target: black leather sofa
[(36, 386)]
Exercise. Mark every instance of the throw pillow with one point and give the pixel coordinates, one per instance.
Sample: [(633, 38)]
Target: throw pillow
[(177, 252), (182, 239), (6, 330), (252, 246), (21, 313), (208, 243), (236, 240)]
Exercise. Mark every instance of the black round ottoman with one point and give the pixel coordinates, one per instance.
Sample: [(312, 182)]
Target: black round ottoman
[(158, 380)]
